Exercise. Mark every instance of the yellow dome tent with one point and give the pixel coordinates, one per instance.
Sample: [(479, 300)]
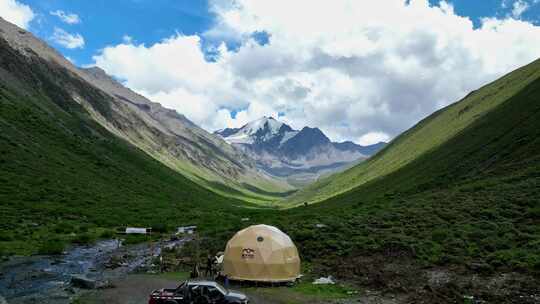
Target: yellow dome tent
[(261, 253)]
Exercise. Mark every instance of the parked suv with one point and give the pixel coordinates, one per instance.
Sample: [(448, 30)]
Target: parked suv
[(197, 292)]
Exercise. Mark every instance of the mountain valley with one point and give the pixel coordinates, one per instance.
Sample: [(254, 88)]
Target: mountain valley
[(446, 212)]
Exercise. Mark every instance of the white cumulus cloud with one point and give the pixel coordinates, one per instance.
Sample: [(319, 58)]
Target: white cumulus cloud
[(518, 7), (373, 137), (69, 18), (359, 70), (67, 40), (16, 13)]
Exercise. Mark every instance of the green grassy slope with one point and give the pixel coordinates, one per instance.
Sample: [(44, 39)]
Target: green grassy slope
[(471, 193), (63, 173), (474, 199), (426, 136)]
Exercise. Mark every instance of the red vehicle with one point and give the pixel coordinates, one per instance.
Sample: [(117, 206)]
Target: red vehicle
[(197, 292)]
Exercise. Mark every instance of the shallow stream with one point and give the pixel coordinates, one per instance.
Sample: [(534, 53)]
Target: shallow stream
[(47, 279)]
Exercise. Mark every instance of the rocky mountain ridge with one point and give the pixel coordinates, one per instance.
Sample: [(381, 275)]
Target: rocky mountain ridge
[(304, 154)]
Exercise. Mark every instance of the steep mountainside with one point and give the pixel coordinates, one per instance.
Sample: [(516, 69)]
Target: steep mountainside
[(425, 137), (468, 208), (162, 133), (64, 175), (301, 156)]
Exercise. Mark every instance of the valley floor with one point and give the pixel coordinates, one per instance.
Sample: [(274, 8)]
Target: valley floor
[(390, 277), (442, 286), (136, 288)]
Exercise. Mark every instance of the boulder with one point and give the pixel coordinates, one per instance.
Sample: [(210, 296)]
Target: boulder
[(84, 282), (324, 281), (2, 300)]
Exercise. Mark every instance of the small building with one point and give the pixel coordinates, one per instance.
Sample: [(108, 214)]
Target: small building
[(134, 230), (186, 230)]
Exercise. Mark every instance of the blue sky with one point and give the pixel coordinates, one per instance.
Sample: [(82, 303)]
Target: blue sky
[(106, 22), (360, 70), (476, 9)]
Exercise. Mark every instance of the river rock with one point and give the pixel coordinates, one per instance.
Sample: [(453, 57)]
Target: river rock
[(39, 274), (84, 282)]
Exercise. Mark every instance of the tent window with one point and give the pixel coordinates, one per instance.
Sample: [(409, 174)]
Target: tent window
[(260, 239)]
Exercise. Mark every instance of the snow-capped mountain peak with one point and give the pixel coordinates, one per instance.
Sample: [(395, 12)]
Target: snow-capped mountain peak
[(261, 130), (263, 123), (285, 152)]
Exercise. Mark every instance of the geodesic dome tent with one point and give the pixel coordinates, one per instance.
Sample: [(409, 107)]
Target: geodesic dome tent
[(261, 253)]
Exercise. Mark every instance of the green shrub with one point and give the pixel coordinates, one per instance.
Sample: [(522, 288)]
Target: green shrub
[(536, 263), (84, 238), (6, 236), (64, 228), (107, 234), (534, 213), (83, 228), (52, 247), (160, 228), (135, 239), (439, 235)]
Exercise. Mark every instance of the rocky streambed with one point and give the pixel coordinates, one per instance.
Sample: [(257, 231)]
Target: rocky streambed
[(59, 279)]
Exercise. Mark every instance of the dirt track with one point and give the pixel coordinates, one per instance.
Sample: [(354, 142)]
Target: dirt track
[(132, 290), (135, 289)]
